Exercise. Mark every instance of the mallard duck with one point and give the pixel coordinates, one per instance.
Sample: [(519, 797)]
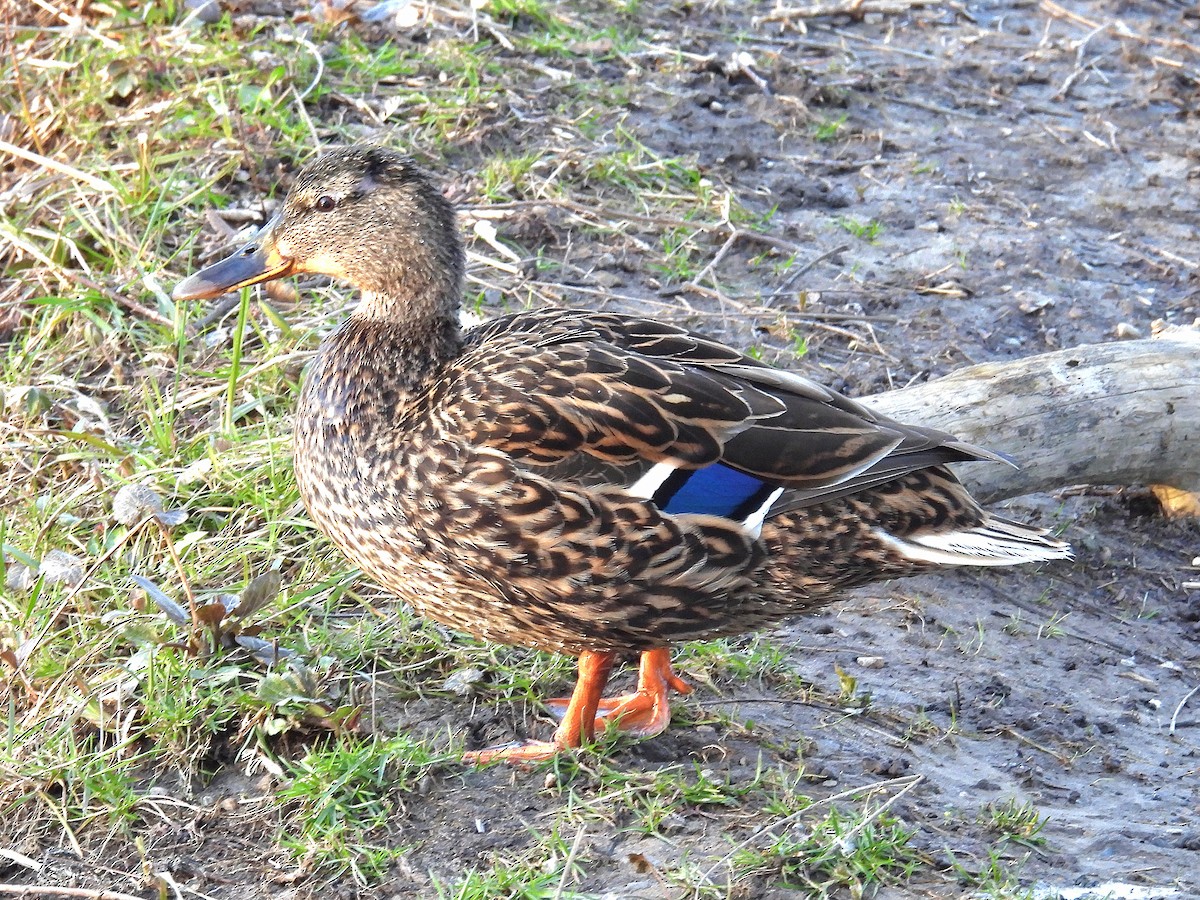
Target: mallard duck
[(594, 484)]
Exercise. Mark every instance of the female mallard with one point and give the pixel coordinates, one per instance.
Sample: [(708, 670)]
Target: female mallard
[(588, 483)]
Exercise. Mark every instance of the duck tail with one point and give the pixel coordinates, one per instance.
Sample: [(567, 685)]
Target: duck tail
[(994, 542)]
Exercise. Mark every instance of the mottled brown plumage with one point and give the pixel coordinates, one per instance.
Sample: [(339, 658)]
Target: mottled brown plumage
[(587, 483)]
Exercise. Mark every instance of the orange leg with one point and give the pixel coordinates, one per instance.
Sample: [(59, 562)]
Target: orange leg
[(578, 720), (645, 712)]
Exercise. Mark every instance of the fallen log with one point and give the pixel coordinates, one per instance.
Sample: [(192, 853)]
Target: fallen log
[(1118, 413)]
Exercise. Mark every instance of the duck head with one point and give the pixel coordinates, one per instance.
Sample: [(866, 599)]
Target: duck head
[(363, 215)]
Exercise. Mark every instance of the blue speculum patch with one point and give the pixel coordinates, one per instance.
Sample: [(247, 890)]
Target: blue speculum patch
[(716, 490)]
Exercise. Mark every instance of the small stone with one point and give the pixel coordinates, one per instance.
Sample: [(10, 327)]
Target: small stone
[(871, 662), (607, 279), (401, 13), (672, 823), (1032, 303), (463, 681), (741, 60), (1189, 840), (206, 11), (1127, 332)]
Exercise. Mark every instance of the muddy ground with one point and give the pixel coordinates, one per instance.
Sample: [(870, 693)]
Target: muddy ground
[(1035, 172)]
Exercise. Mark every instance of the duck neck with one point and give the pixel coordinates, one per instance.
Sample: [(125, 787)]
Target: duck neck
[(417, 279), (419, 302), (413, 310), (406, 352)]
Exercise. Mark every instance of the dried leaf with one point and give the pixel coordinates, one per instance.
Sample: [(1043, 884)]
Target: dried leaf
[(641, 864), (211, 614), (1176, 503), (261, 590), (463, 681), (133, 502), (60, 567)]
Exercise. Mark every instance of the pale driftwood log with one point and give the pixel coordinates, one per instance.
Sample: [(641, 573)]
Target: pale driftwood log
[(1120, 413)]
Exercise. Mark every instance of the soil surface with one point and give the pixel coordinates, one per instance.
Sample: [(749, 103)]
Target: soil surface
[(1034, 174)]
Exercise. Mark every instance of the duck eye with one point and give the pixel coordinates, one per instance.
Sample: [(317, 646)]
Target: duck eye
[(325, 203)]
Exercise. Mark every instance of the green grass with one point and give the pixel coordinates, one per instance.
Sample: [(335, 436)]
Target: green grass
[(512, 880), (344, 796), (868, 231), (837, 851), (1018, 822), (509, 178), (828, 129)]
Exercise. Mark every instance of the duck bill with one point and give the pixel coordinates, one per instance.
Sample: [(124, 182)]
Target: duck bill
[(257, 261)]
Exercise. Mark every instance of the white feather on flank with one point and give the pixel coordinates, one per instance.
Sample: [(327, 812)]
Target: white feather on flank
[(647, 486), (991, 544), (754, 522)]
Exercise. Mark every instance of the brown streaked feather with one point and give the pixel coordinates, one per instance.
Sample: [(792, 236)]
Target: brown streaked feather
[(624, 405), (632, 391), (493, 497)]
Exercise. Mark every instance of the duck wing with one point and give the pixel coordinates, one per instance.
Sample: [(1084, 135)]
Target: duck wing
[(604, 399)]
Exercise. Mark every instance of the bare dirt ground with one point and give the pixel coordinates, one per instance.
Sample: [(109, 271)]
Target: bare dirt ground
[(1034, 172)]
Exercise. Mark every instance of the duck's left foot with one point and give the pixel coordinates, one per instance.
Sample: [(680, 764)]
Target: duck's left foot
[(645, 712), (517, 752), (578, 718)]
